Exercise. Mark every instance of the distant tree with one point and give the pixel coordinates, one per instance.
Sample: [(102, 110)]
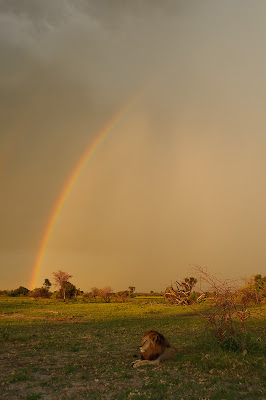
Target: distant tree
[(260, 283), (122, 296), (86, 296), (89, 295), (254, 291), (47, 283), (41, 292), (94, 292), (71, 290), (132, 290), (105, 294), (189, 283), (20, 291), (61, 280)]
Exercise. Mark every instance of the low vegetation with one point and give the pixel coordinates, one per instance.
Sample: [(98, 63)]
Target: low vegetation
[(71, 344), (229, 307), (80, 349)]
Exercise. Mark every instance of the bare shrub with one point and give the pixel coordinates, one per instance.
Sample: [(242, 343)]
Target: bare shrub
[(122, 296), (94, 292), (226, 307), (106, 294)]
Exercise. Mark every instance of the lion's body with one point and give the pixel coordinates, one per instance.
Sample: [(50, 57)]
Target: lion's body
[(154, 349)]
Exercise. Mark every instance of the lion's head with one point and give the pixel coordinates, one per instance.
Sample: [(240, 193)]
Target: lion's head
[(153, 345)]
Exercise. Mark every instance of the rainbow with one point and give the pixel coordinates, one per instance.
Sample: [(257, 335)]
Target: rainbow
[(74, 175)]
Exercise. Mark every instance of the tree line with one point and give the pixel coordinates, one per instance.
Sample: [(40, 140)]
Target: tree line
[(181, 293), (67, 290)]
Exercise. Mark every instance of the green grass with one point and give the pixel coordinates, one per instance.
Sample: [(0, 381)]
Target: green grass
[(81, 350)]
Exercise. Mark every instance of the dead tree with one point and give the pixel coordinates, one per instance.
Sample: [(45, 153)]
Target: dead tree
[(180, 294)]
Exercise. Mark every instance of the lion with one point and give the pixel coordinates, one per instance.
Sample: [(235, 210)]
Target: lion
[(154, 349)]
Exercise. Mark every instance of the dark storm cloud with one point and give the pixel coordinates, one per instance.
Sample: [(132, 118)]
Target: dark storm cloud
[(90, 42), (66, 66)]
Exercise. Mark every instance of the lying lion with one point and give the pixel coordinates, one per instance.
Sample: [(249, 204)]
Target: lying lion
[(154, 349)]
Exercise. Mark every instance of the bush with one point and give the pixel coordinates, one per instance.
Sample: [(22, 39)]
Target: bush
[(106, 294), (254, 290), (20, 291), (227, 310), (41, 292), (122, 296), (87, 296), (56, 295), (71, 290), (241, 341)]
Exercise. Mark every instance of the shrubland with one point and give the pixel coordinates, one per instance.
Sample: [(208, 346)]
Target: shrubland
[(78, 349)]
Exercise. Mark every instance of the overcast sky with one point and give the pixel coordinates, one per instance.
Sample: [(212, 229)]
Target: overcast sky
[(179, 181)]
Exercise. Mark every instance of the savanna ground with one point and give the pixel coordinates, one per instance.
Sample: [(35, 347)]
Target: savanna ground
[(77, 350)]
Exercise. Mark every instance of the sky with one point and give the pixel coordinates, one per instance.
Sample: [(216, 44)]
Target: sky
[(177, 181)]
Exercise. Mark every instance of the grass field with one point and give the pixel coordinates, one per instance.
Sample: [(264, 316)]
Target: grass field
[(77, 350)]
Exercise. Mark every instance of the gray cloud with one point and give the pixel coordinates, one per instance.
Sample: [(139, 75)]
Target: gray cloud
[(165, 187)]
